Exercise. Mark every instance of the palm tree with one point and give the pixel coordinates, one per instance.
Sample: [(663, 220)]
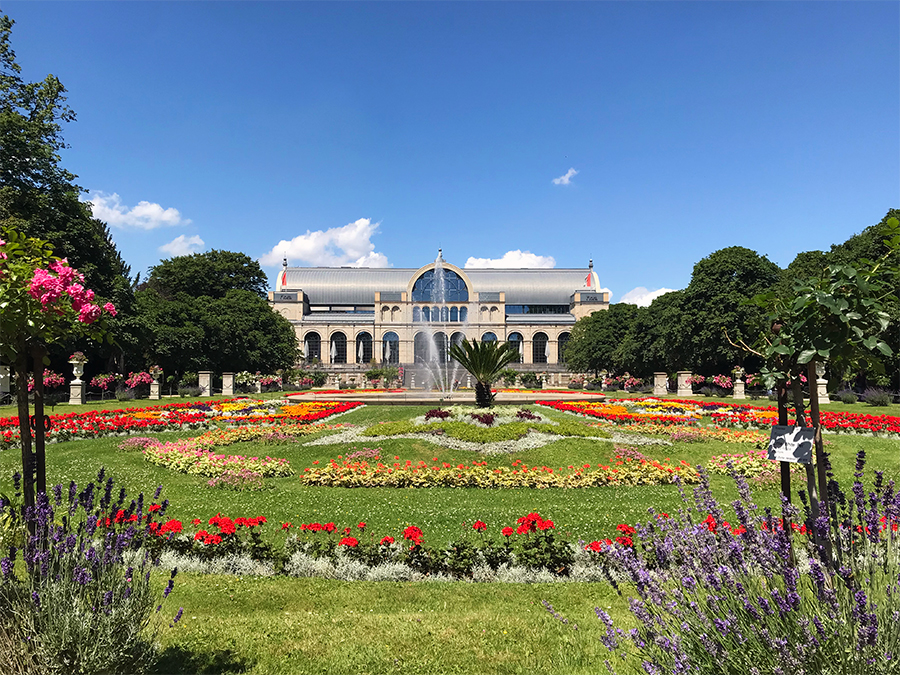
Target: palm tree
[(484, 361)]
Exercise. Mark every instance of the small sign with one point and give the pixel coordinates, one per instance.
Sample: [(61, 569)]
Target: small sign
[(791, 444), (285, 297)]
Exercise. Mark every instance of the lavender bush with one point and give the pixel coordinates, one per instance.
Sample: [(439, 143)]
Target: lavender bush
[(752, 598), (81, 600)]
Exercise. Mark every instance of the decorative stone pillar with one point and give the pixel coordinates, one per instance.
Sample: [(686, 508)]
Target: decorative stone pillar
[(205, 381), (4, 381), (821, 384), (227, 384), (76, 386), (154, 390), (684, 387), (258, 387), (660, 384), (412, 381), (468, 381), (739, 388)]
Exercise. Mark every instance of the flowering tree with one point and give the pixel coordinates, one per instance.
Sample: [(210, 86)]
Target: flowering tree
[(42, 300)]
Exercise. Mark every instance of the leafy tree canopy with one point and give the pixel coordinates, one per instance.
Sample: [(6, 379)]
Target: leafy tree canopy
[(597, 339), (213, 274)]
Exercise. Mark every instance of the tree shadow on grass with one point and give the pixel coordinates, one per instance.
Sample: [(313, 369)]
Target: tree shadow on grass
[(176, 659)]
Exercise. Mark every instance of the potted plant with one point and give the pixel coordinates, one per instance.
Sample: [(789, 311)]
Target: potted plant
[(78, 359)]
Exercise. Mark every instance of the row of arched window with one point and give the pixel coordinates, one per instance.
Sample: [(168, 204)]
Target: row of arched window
[(440, 314), (426, 347)]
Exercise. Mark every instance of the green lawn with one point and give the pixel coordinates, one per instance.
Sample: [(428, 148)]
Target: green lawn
[(319, 626)]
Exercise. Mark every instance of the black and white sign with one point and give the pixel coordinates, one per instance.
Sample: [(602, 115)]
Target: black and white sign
[(791, 444)]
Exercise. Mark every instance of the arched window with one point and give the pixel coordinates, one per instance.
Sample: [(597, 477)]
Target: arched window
[(540, 348), (338, 351), (457, 337), (417, 315), (426, 314), (312, 347), (463, 314), (454, 314), (439, 349), (363, 348), (454, 288), (435, 314), (515, 339), (563, 341), (390, 348), (421, 347), (489, 337), (445, 314)]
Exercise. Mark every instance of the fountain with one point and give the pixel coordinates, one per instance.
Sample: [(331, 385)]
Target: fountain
[(442, 371)]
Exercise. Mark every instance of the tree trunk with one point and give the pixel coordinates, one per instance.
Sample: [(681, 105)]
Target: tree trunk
[(785, 467), (38, 352), (21, 366), (483, 397)]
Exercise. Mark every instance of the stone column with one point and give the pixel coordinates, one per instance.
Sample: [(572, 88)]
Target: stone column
[(205, 382), (684, 389), (76, 392), (154, 390), (227, 384), (821, 384), (258, 387), (660, 384), (739, 388), (4, 381)]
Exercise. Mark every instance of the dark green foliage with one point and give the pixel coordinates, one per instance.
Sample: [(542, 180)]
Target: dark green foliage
[(191, 323), (715, 302), (603, 340)]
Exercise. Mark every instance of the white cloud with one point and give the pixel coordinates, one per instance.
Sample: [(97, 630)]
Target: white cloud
[(349, 246), (512, 260), (566, 178), (182, 245), (144, 216), (641, 297)]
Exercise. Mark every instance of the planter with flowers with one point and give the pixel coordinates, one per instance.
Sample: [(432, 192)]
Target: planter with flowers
[(76, 386), (156, 373)]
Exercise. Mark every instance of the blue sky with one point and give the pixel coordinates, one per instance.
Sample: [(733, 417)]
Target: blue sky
[(373, 133)]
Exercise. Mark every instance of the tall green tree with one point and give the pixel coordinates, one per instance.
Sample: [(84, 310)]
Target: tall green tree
[(207, 311), (39, 198), (604, 340), (715, 303)]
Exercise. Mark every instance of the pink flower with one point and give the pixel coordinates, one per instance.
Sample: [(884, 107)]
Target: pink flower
[(110, 308), (89, 313)]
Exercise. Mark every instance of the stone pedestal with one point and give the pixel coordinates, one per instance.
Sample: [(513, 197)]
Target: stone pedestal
[(205, 381), (660, 384), (258, 387), (739, 389), (154, 390), (684, 388), (227, 384), (822, 391), (468, 381), (76, 392)]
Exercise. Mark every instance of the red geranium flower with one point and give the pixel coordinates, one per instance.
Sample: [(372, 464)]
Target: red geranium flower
[(195, 522), (329, 527), (413, 534), (154, 507), (387, 540), (361, 526), (348, 541), (507, 531), (479, 525), (287, 526), (625, 541)]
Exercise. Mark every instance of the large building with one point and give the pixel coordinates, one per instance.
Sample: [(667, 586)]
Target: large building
[(348, 318)]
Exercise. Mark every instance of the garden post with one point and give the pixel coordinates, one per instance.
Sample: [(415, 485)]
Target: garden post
[(783, 421), (154, 390), (4, 381), (739, 388), (76, 392), (25, 431), (810, 472), (684, 387), (821, 467), (205, 381), (227, 384), (660, 384)]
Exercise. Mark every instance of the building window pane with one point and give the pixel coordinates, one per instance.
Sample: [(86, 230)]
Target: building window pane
[(540, 348), (338, 348), (455, 288)]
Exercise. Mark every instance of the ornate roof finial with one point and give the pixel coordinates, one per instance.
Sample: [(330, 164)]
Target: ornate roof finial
[(284, 261), (440, 254), (591, 264)]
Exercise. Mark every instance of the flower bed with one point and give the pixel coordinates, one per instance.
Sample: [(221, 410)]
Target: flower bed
[(344, 472), (727, 415), (177, 416)]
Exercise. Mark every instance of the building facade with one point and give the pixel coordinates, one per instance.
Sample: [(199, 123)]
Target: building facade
[(350, 318)]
